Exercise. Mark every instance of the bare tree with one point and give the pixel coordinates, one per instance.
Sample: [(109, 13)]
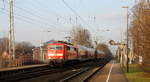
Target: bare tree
[(3, 45), (23, 53), (81, 36), (24, 48), (140, 31)]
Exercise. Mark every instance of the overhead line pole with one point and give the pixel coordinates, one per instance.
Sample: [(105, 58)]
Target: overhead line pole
[(11, 30)]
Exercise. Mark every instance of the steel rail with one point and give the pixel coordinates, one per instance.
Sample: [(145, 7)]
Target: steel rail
[(74, 75), (87, 78)]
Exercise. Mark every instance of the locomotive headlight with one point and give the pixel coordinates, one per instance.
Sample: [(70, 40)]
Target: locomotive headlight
[(50, 54), (59, 54)]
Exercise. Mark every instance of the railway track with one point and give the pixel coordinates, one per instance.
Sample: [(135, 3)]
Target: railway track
[(83, 75), (18, 74), (62, 74), (32, 74)]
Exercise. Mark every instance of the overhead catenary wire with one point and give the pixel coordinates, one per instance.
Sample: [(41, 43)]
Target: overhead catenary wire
[(27, 20), (68, 6), (30, 22), (56, 14), (32, 14), (32, 19), (19, 18), (45, 6), (41, 19), (35, 13)]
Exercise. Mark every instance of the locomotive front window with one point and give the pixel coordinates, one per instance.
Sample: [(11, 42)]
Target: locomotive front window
[(58, 47), (52, 47)]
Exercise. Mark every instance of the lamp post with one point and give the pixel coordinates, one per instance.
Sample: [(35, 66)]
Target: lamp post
[(127, 14)]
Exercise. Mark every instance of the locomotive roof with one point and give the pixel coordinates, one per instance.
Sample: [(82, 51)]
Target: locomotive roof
[(63, 42), (85, 48)]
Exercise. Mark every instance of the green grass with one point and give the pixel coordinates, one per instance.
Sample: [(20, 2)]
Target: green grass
[(136, 75)]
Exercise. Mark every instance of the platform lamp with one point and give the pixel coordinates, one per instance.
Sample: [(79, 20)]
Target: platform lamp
[(127, 15)]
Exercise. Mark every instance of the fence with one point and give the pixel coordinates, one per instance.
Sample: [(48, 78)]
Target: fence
[(21, 60)]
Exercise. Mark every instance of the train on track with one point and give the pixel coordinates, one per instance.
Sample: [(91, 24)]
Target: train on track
[(60, 52)]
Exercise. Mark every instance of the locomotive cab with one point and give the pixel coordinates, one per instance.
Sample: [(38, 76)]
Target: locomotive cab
[(55, 51)]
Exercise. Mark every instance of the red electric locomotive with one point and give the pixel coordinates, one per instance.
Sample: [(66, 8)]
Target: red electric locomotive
[(60, 52)]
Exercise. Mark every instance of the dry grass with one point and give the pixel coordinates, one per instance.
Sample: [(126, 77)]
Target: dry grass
[(137, 75)]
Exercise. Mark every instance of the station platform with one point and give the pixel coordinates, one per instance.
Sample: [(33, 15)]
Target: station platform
[(21, 67), (112, 72)]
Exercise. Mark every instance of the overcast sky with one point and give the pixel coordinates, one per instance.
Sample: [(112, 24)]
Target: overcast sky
[(34, 18)]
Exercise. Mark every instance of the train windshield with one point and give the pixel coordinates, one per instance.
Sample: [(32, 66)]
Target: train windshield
[(56, 47), (59, 47), (52, 47)]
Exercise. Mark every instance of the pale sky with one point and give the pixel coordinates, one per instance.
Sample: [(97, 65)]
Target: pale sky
[(33, 18)]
